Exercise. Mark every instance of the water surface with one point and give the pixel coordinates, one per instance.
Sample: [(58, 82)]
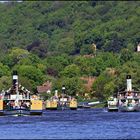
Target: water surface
[(72, 124)]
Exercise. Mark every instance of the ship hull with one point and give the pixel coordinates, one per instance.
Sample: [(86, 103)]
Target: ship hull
[(17, 112), (112, 109), (20, 112), (60, 106), (51, 108), (135, 108), (36, 112), (1, 112)]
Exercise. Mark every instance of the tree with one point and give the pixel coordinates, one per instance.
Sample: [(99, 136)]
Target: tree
[(31, 59), (105, 85), (86, 65), (66, 45), (32, 73), (114, 43), (5, 82), (4, 70), (38, 48), (14, 56), (126, 55), (29, 84), (56, 64), (131, 68), (71, 71), (73, 86)]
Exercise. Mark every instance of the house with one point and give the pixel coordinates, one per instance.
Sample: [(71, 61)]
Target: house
[(45, 88)]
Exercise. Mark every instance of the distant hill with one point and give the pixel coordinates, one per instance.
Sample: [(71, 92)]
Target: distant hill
[(62, 41), (69, 26)]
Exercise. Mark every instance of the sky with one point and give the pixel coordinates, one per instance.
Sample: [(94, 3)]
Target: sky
[(9, 1)]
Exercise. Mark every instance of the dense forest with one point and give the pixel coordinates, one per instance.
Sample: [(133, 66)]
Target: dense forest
[(61, 41)]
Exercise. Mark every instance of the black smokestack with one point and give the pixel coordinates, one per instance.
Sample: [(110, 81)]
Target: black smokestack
[(128, 76), (15, 72)]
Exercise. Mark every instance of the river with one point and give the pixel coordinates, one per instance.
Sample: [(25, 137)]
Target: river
[(72, 124)]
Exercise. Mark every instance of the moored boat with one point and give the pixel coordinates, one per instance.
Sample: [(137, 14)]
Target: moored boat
[(19, 101), (125, 101), (129, 100), (61, 102), (129, 103), (112, 104)]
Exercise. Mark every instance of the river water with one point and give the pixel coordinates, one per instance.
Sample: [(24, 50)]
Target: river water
[(72, 124)]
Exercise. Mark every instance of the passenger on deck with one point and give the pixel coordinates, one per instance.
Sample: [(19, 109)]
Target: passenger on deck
[(16, 105), (24, 105), (12, 104), (28, 104), (136, 95)]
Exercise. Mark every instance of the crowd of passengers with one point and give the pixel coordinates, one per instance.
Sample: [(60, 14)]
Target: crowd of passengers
[(17, 105)]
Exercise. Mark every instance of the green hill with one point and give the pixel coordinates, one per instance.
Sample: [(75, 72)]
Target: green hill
[(46, 40), (70, 27)]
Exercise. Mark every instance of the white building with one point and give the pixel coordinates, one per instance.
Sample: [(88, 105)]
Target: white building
[(138, 48)]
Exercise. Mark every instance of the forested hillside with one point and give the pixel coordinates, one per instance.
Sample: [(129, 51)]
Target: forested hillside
[(53, 40)]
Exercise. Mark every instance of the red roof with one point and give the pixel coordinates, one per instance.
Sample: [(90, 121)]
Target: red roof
[(45, 87)]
